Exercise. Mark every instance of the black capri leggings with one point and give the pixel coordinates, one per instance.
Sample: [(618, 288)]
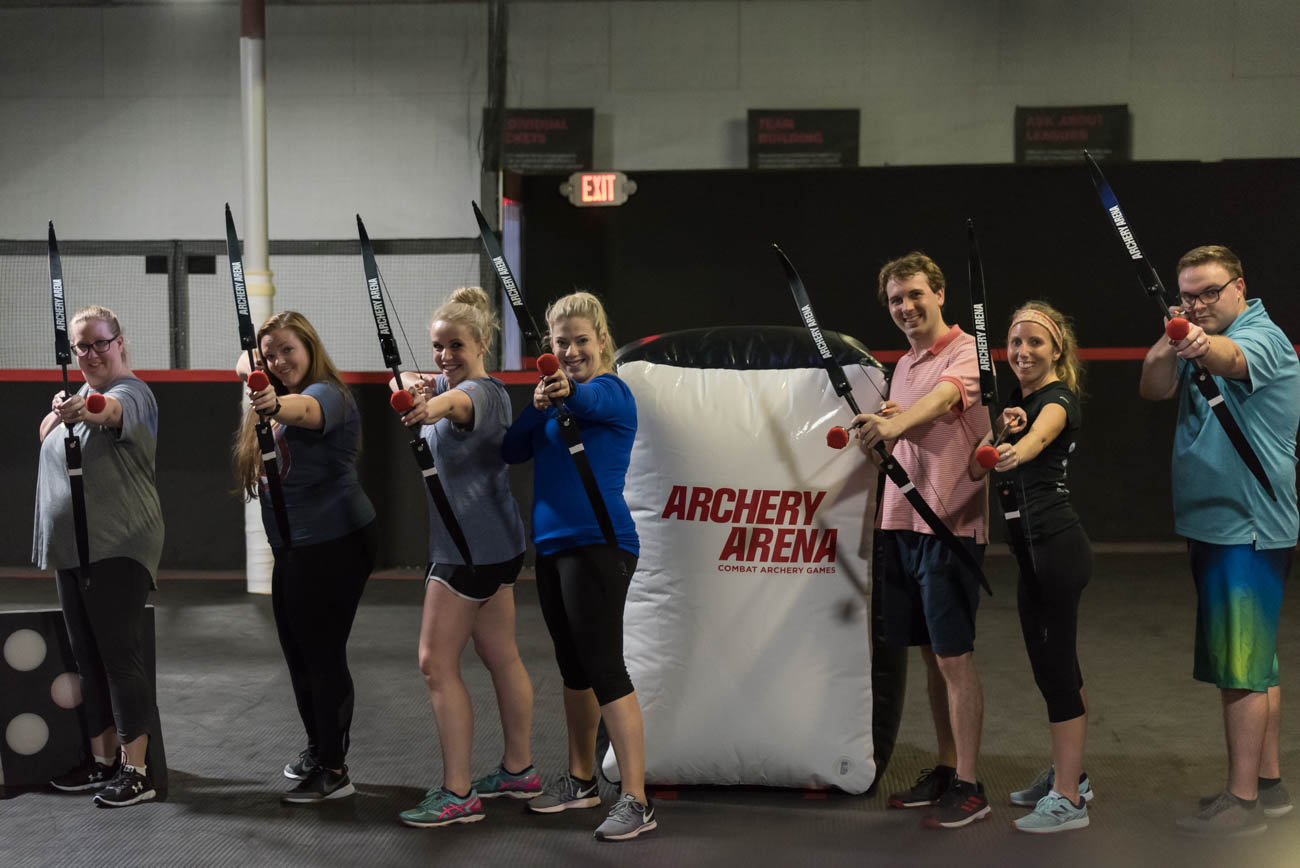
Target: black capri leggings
[(315, 590), (1049, 618), (105, 626), (582, 592)]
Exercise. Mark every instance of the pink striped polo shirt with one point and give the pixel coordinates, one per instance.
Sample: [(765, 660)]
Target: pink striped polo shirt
[(937, 454)]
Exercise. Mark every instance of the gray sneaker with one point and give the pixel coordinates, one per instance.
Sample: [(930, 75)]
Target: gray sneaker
[(627, 819), (1274, 802), (1053, 814), (1224, 818), (568, 792), (1029, 798)]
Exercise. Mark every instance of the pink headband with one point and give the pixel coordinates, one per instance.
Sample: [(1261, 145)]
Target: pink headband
[(1042, 319)]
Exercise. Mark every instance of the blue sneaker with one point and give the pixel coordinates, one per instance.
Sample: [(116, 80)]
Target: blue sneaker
[(524, 785), (440, 807), (1054, 813), (1029, 798)]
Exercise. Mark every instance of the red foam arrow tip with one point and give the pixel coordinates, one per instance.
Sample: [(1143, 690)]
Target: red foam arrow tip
[(401, 401), (257, 381), (547, 364), (95, 403), (986, 456), (837, 438), (1177, 328)]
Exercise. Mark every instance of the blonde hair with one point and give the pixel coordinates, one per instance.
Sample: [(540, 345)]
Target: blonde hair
[(583, 305), (471, 308), (320, 368), (1069, 369), (103, 314)]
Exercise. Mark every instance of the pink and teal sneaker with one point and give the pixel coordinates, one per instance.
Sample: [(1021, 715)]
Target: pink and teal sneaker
[(441, 807), (524, 785)]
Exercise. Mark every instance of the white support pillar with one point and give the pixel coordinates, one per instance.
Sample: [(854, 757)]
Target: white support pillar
[(257, 270)]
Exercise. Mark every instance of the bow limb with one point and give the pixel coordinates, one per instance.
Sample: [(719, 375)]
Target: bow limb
[(72, 454), (1009, 486)]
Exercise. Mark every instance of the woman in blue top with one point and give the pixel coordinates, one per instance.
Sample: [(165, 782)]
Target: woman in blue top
[(317, 581), (464, 414), (582, 578)]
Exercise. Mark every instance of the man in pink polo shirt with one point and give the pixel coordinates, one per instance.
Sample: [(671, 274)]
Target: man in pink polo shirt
[(933, 422)]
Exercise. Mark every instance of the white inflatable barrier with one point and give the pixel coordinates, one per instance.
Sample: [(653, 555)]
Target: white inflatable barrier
[(747, 643)]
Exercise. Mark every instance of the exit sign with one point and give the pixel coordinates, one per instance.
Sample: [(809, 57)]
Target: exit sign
[(586, 189)]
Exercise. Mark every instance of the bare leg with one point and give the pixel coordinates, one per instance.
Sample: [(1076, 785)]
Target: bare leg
[(106, 743), (938, 692), (965, 709), (1245, 719), (444, 631), (582, 715), (1270, 762), (494, 640), (627, 735), (136, 749), (1068, 738)]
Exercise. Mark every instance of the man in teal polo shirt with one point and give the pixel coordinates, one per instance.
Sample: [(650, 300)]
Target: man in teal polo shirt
[(1240, 541)]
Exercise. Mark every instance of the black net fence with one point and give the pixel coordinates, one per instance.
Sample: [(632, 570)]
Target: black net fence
[(174, 299)]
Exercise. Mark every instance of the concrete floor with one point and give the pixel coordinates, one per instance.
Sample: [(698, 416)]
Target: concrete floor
[(1155, 745)]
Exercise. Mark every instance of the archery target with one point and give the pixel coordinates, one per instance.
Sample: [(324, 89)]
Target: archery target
[(735, 630), (27, 734), (24, 650), (65, 690)]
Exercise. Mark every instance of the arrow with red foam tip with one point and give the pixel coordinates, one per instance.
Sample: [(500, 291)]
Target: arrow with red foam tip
[(401, 401), (1177, 328), (986, 456), (95, 403), (837, 437), (257, 381), (547, 364)]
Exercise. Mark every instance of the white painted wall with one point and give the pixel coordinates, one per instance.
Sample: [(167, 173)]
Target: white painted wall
[(120, 121)]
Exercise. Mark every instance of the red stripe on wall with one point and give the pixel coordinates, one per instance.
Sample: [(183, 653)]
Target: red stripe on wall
[(196, 375)]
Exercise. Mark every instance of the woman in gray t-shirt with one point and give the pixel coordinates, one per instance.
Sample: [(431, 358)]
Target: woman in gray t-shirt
[(105, 611), (321, 572), (464, 415)]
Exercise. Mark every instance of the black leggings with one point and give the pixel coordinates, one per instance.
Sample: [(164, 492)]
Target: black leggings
[(105, 626), (315, 591), (1049, 618), (582, 592)]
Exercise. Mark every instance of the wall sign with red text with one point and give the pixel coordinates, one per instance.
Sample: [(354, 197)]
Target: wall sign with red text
[(803, 138), (547, 141), (1058, 134)]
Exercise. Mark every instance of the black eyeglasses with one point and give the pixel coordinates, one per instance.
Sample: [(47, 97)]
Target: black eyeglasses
[(100, 347), (1206, 297)]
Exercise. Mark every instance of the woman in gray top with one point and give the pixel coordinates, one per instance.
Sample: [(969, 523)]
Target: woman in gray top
[(464, 414), (321, 571), (105, 615)]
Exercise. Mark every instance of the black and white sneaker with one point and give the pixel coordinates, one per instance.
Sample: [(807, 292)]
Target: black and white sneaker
[(129, 787), (299, 769), (93, 775), (320, 785)]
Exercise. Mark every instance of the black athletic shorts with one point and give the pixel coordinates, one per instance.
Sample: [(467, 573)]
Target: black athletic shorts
[(477, 583)]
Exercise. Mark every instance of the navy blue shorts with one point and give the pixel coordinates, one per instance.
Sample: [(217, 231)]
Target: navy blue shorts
[(930, 597), (477, 583)]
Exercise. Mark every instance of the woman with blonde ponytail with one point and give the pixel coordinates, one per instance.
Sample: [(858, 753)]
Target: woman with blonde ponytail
[(319, 574), (582, 576), (463, 415), (1042, 420)]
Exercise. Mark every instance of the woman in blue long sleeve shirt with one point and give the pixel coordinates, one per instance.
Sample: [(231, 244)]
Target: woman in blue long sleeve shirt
[(582, 578)]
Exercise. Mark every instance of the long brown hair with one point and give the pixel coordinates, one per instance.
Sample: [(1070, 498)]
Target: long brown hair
[(320, 368)]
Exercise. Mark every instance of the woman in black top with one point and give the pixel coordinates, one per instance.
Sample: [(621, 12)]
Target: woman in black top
[(1042, 420)]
